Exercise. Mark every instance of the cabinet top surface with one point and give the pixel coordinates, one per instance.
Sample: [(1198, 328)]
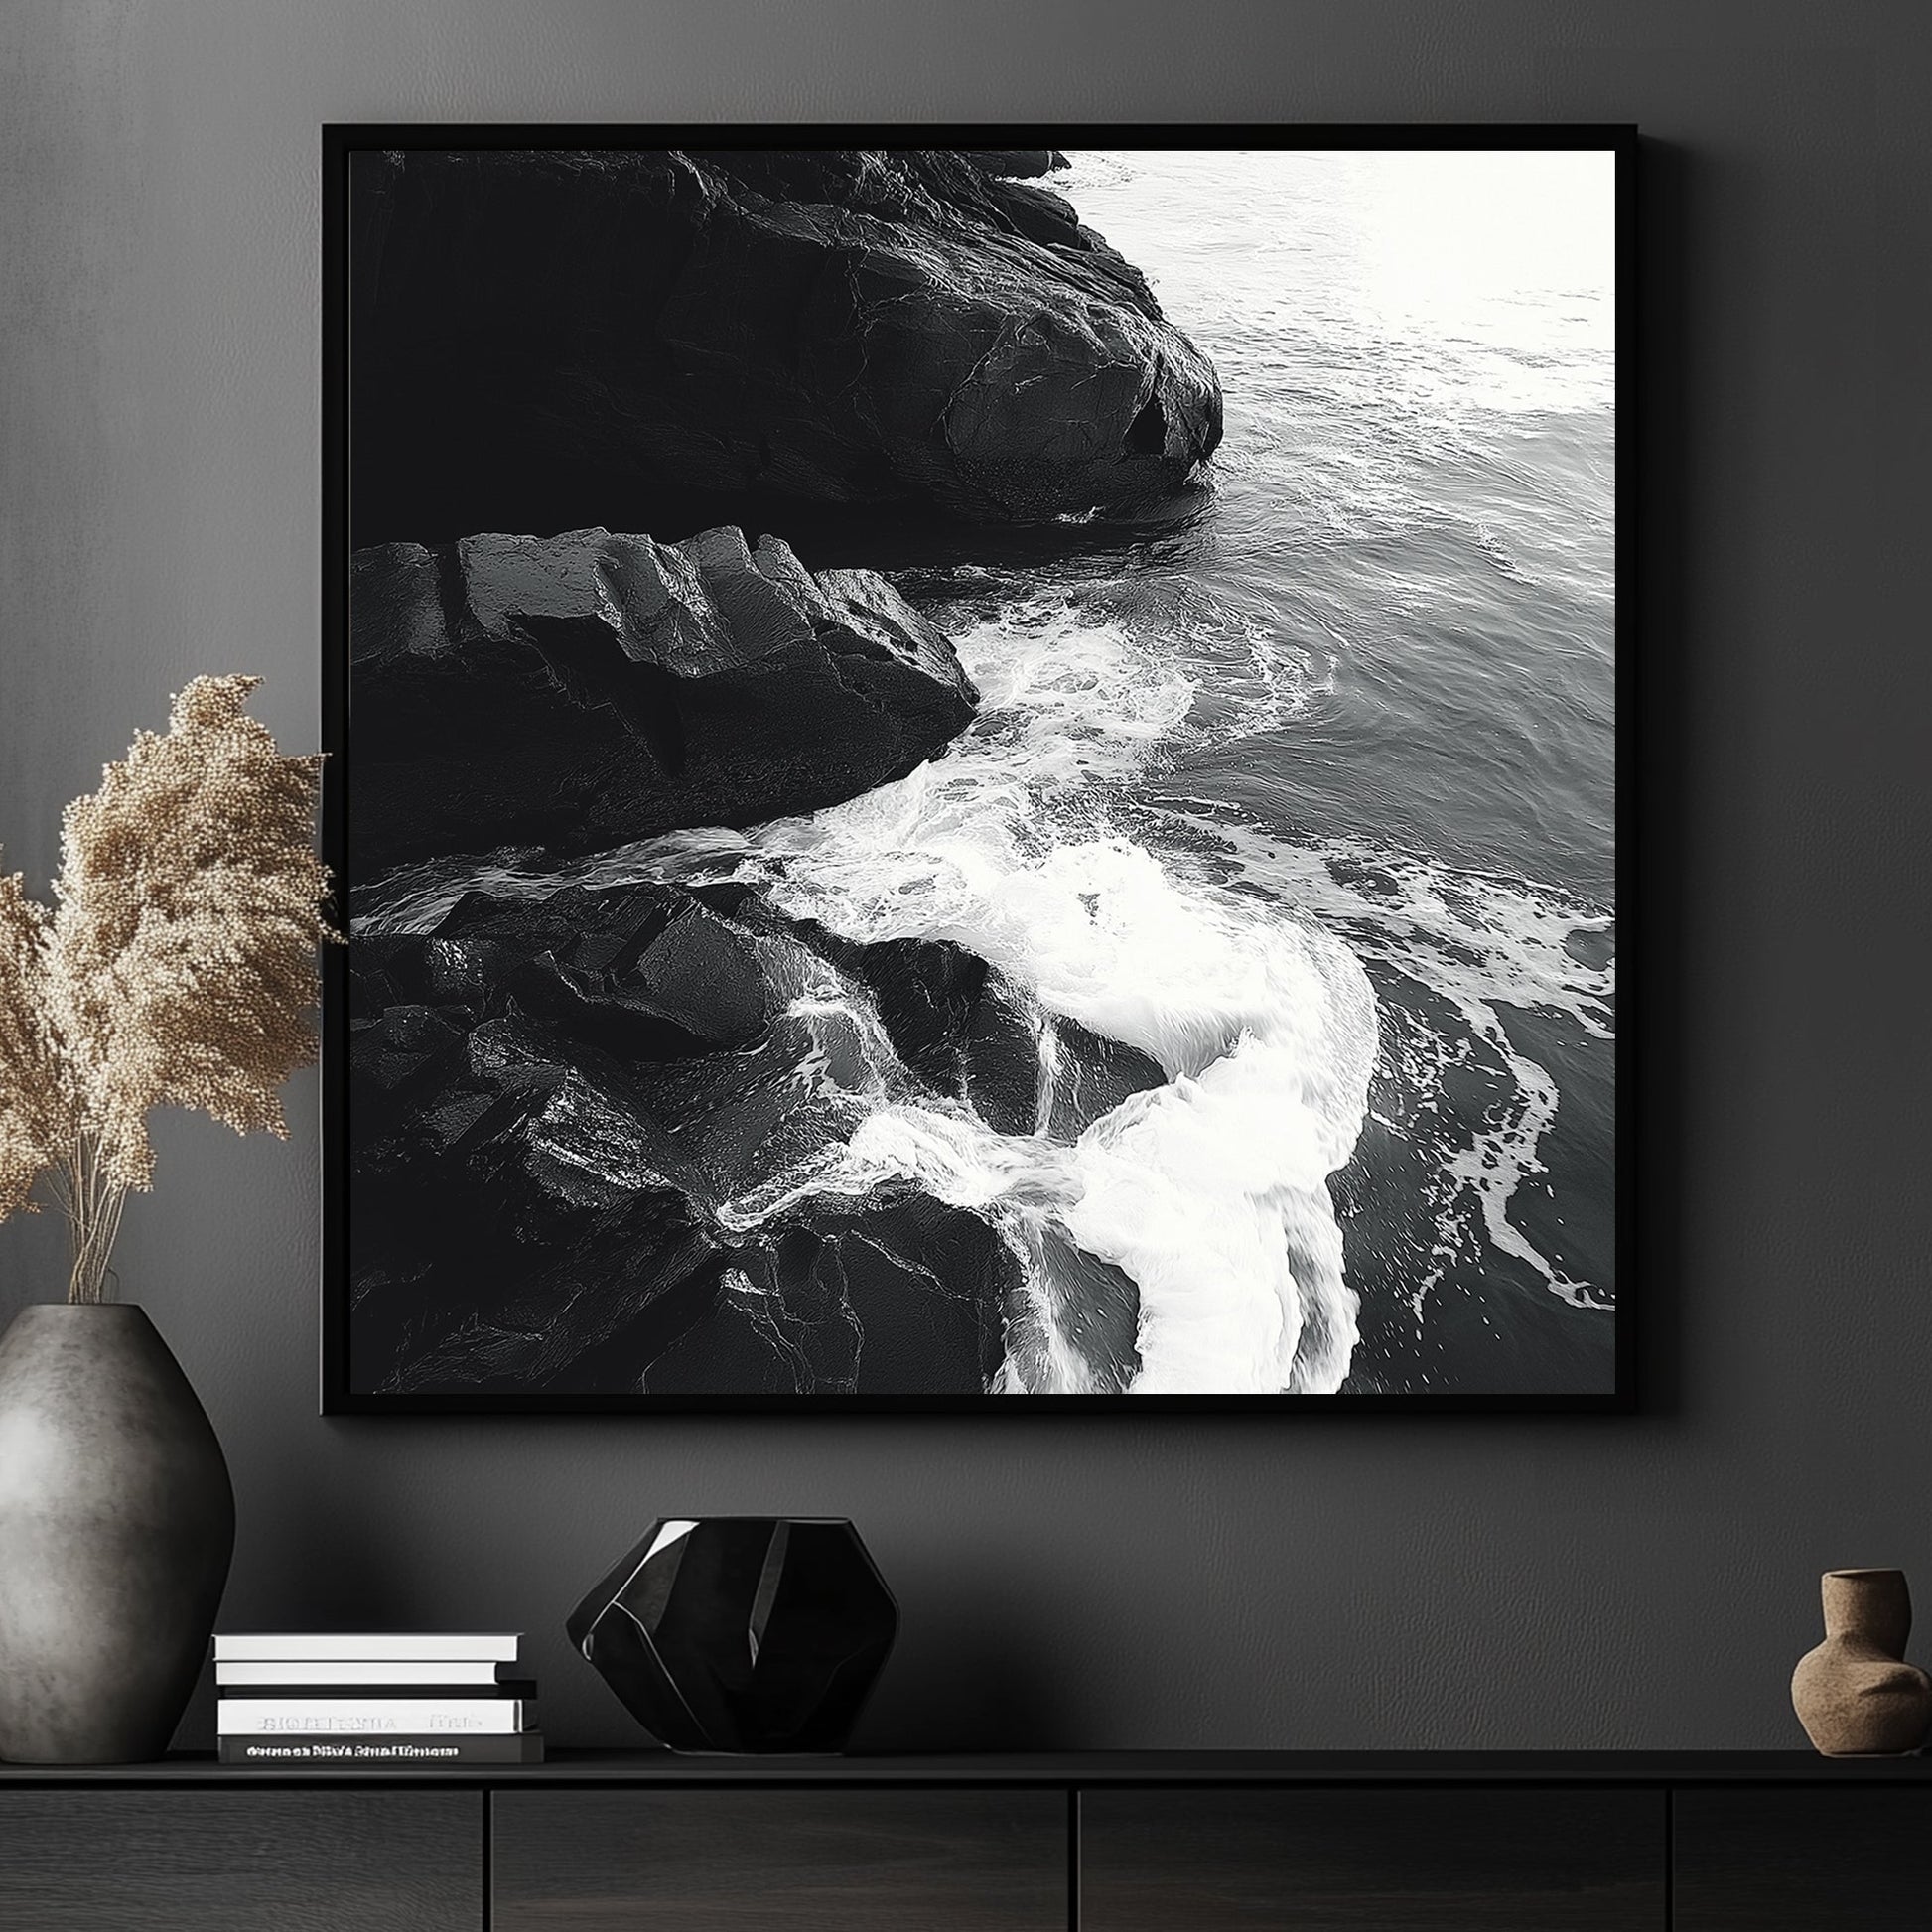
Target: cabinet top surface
[(1090, 1768)]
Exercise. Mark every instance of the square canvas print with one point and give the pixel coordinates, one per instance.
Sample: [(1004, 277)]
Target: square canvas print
[(974, 773)]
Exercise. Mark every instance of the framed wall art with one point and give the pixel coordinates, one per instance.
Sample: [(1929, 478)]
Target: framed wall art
[(975, 767)]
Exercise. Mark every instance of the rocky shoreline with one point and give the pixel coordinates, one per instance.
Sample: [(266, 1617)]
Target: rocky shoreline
[(565, 1107), (584, 690), (574, 1118)]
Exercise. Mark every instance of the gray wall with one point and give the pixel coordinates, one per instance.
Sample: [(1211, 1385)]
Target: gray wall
[(1120, 1581)]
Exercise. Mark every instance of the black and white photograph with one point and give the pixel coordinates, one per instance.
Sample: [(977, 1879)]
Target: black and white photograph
[(966, 773)]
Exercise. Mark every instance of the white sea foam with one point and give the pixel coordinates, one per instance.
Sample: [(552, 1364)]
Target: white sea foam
[(1484, 943), (1210, 1192)]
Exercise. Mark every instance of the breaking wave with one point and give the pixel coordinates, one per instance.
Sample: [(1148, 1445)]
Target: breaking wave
[(1240, 962)]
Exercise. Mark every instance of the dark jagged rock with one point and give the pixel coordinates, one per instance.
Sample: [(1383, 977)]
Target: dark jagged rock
[(584, 690), (956, 1022), (905, 1300), (1092, 1076), (1011, 162), (561, 1107), (585, 1127), (846, 327)]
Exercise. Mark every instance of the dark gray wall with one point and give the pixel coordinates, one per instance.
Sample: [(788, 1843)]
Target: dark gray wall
[(1121, 1581)]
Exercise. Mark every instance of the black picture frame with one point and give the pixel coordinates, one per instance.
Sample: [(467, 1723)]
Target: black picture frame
[(341, 142)]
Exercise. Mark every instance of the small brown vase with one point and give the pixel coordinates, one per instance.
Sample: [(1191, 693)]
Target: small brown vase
[(1856, 1695)]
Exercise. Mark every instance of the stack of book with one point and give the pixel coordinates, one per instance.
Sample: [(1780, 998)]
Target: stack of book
[(424, 1699)]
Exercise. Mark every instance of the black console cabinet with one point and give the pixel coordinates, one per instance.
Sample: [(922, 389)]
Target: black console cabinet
[(1399, 1861), (1788, 1860), (984, 1860), (162, 1857), (1138, 1842)]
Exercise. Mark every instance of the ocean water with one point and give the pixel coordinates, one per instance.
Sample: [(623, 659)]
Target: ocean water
[(1302, 784)]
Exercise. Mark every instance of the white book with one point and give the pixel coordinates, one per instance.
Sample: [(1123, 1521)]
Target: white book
[(366, 1646), (367, 1716), (361, 1671)]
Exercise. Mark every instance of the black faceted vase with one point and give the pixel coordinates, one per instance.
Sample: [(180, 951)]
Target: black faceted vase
[(742, 1633)]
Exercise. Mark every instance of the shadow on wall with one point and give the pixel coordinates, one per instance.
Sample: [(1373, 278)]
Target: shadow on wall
[(1657, 667), (986, 1680)]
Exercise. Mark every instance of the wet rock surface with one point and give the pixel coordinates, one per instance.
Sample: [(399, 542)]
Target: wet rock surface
[(588, 1132), (585, 690), (1012, 162), (828, 327)]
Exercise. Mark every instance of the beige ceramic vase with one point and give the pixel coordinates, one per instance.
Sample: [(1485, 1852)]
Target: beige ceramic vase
[(1856, 1695)]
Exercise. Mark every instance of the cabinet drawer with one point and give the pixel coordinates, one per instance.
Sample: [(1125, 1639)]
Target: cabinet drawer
[(1368, 1861), (832, 1860), (161, 1860), (1802, 1860)]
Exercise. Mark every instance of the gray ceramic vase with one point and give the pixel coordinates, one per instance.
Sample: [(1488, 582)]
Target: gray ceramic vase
[(116, 1526)]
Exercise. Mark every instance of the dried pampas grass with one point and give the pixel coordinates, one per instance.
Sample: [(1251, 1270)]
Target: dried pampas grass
[(177, 968)]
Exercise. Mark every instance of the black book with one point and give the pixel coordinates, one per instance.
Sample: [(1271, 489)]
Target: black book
[(285, 1751), (508, 1686)]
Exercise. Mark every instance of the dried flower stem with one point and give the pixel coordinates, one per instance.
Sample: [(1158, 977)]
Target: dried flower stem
[(177, 966), (92, 1199)]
